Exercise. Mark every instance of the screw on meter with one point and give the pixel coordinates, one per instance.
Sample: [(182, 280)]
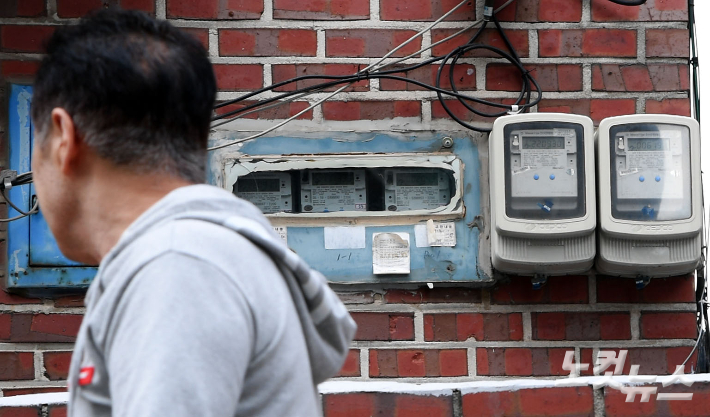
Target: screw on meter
[(325, 191), (269, 191), (543, 211), (416, 189), (650, 207)]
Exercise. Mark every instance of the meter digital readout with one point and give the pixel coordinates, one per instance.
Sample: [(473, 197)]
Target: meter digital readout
[(543, 207), (416, 189), (333, 190), (650, 209), (269, 191)]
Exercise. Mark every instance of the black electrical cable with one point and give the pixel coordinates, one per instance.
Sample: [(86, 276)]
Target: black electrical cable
[(629, 2)]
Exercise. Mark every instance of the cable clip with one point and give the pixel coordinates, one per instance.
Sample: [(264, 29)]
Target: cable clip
[(7, 176), (514, 109)]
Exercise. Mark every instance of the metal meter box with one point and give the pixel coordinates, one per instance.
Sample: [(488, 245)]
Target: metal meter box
[(543, 210), (367, 207), (650, 207)]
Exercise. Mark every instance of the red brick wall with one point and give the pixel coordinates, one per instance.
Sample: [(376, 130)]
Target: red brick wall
[(590, 56)]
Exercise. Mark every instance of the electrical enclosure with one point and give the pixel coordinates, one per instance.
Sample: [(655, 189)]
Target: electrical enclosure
[(650, 206), (366, 207), (543, 209)]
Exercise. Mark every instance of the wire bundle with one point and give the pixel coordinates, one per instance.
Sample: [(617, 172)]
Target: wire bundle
[(379, 70)]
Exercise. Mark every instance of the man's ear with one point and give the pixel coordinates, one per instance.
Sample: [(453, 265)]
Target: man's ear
[(65, 143)]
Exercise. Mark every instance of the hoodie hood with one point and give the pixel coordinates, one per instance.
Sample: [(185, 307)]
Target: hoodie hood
[(327, 326)]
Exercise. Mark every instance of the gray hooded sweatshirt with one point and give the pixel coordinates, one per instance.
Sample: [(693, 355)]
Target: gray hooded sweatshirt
[(201, 310)]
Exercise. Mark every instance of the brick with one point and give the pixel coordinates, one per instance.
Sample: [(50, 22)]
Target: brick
[(677, 106), (601, 108), (660, 290), (24, 38), (351, 367), (384, 326), (284, 72), (696, 407), (211, 9), (586, 356), (283, 111), (371, 43), (70, 301), (668, 77), (548, 326), (440, 327), (349, 405), (582, 326), (11, 392), (568, 401), (668, 326), (615, 405), (667, 43), (419, 405), (482, 365), (556, 358), (677, 355), (578, 106), (469, 325), (438, 111), (245, 77), (518, 38), (39, 327), (58, 411), (79, 8), (370, 110), (425, 10), (356, 297), (6, 298), (267, 42), (202, 35), (484, 404), (558, 290), (636, 78), (653, 10), (518, 361), (418, 363), (540, 11), (56, 365), (434, 295), (464, 78), (23, 8), (16, 366), (651, 361), (587, 43), (322, 9), (507, 77), (615, 326), (20, 412)]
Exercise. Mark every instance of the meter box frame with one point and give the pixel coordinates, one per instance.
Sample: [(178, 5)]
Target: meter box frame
[(349, 262), (535, 228), (662, 239), (35, 265)]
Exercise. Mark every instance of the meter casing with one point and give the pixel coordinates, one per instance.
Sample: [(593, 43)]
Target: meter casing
[(650, 202), (270, 191), (542, 187)]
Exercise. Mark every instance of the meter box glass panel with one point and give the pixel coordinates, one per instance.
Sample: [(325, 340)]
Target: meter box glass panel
[(370, 208), (650, 208), (543, 210), (269, 191), (414, 189), (333, 190)]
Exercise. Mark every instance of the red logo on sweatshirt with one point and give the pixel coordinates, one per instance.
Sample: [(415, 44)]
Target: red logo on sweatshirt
[(86, 375)]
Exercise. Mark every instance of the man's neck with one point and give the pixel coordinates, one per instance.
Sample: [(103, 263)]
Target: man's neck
[(111, 206)]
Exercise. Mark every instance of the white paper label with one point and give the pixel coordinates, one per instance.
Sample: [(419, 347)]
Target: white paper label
[(441, 234), (344, 237), (390, 253), (282, 232)]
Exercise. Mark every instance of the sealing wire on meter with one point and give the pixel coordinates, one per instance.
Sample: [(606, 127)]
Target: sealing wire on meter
[(363, 74)]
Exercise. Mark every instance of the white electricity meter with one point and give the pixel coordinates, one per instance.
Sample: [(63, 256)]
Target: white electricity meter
[(324, 190), (650, 204), (543, 209), (271, 192)]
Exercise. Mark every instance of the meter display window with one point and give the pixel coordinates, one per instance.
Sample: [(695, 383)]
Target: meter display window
[(544, 170), (395, 189), (650, 172), (271, 192)]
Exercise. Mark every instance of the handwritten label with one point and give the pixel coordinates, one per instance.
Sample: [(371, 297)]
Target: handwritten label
[(282, 232), (390, 253)]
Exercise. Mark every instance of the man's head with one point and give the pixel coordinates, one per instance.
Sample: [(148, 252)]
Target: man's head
[(118, 91)]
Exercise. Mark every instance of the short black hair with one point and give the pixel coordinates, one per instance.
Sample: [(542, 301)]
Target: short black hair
[(139, 91)]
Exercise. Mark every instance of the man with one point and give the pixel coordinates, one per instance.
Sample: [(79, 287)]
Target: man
[(197, 309)]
